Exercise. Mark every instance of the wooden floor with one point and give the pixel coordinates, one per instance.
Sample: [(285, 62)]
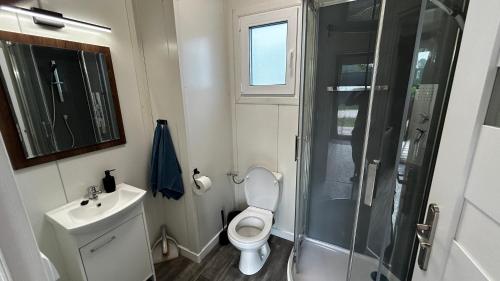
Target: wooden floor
[(221, 264)]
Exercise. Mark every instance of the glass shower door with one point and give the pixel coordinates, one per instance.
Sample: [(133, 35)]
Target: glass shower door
[(418, 45), (393, 60), (338, 68)]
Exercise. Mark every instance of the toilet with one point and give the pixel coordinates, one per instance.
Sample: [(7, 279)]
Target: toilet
[(250, 230)]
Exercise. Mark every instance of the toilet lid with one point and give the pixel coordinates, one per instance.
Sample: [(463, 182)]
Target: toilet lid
[(262, 189)]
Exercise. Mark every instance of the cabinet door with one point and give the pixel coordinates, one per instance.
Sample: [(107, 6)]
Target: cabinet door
[(119, 255)]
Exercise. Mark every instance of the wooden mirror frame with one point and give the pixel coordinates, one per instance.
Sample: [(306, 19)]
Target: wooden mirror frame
[(8, 127)]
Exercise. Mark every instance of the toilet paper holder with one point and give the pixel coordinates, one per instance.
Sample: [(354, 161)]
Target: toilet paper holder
[(201, 183), (196, 172)]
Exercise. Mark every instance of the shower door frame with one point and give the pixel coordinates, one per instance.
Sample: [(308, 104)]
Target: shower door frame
[(303, 143)]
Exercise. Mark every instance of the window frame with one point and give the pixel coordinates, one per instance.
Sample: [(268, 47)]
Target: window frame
[(248, 92)]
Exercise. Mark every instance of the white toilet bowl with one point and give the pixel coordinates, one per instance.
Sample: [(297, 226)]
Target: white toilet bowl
[(250, 230)]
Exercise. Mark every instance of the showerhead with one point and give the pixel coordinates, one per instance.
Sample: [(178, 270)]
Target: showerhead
[(53, 66), (55, 81)]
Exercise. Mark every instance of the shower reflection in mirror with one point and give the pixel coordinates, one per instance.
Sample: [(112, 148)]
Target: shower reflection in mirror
[(60, 98)]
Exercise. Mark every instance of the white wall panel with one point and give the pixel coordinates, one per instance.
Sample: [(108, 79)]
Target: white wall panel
[(155, 25), (207, 107), (17, 241), (42, 190), (461, 267), (257, 139), (257, 133), (484, 171), (266, 137), (287, 130), (483, 245)]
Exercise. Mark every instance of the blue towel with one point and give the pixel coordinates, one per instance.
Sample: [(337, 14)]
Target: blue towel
[(166, 172)]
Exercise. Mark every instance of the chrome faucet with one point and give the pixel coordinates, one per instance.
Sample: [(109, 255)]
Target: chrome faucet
[(93, 192)]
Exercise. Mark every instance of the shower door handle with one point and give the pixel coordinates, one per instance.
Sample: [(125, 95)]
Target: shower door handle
[(425, 236), (371, 180)]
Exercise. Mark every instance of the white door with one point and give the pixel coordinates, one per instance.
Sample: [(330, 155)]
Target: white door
[(466, 184)]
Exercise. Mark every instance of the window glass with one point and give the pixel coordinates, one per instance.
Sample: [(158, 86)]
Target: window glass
[(268, 54), (493, 114), (356, 74)]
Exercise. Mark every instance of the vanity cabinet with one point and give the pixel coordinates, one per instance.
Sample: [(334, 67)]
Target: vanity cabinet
[(105, 239), (121, 254)]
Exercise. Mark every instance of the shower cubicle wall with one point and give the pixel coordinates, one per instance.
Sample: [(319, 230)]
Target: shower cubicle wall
[(375, 86)]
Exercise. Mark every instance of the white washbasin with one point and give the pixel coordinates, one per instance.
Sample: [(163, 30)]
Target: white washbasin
[(75, 217)]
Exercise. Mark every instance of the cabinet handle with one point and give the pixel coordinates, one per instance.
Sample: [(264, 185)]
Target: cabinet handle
[(93, 250)]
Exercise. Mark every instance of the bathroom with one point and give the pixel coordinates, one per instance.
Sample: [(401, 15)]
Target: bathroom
[(369, 126)]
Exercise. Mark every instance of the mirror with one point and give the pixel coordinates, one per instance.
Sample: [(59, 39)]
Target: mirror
[(60, 99)]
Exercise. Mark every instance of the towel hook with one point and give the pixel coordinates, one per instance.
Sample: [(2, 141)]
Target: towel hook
[(162, 122)]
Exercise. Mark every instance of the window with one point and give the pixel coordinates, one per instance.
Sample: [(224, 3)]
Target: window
[(266, 54)]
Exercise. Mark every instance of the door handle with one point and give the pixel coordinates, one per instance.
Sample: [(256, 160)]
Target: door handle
[(423, 240), (425, 235), (371, 180)]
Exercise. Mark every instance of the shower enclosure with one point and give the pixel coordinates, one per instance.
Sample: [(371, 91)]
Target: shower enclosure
[(377, 74)]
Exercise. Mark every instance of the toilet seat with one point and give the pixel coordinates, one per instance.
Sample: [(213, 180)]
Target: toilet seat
[(251, 217), (262, 188)]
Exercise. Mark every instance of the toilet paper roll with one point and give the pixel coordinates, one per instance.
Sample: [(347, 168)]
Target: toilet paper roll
[(204, 184)]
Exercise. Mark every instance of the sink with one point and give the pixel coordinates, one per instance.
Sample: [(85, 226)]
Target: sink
[(106, 238), (74, 217)]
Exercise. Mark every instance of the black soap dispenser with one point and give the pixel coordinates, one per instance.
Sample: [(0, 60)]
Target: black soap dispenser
[(109, 182)]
